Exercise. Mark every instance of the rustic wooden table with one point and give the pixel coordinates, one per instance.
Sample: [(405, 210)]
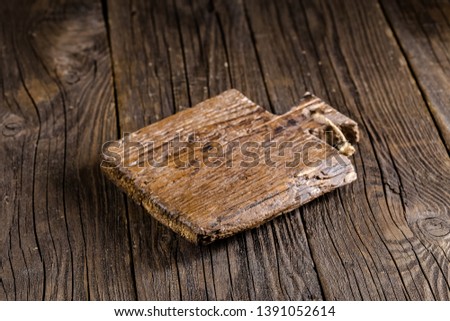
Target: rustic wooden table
[(77, 74)]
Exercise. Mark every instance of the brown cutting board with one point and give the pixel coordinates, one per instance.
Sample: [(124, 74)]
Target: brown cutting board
[(227, 165)]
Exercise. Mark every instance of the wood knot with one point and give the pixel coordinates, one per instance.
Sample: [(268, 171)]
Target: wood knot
[(434, 227), (68, 75), (12, 125)]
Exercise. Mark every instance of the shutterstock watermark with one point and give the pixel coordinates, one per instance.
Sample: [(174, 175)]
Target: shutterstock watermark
[(192, 152)]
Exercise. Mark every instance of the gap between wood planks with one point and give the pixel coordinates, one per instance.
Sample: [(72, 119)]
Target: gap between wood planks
[(438, 114), (104, 5)]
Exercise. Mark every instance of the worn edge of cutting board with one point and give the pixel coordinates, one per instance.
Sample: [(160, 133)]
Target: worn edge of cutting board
[(311, 128)]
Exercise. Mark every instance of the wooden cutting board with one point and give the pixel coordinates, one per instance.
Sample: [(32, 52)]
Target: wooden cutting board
[(227, 165)]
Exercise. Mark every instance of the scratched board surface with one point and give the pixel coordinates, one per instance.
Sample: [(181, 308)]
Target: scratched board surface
[(262, 165), (75, 74)]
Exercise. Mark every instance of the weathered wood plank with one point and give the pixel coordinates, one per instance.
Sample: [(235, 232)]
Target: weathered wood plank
[(64, 232), (422, 29), (214, 60), (227, 165), (372, 247)]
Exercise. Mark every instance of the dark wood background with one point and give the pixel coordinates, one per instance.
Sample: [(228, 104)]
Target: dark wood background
[(75, 74)]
